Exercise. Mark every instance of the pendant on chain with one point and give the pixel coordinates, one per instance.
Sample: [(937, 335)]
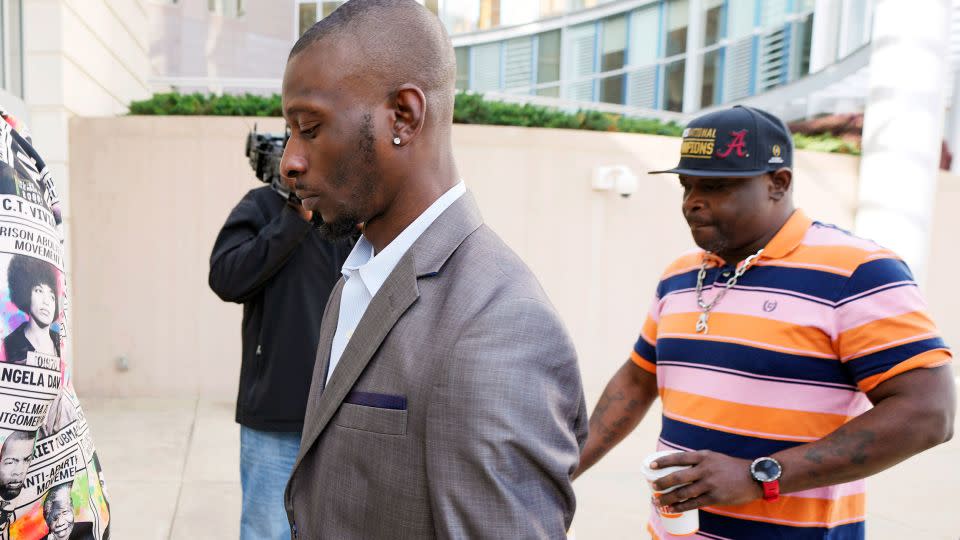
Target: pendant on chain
[(702, 327)]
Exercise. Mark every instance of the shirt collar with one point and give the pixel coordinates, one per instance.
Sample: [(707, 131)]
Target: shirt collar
[(787, 239), (374, 269)]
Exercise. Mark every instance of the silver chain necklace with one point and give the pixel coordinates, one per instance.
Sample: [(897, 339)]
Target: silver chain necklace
[(706, 308)]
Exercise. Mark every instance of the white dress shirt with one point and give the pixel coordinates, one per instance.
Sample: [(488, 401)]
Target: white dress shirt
[(365, 272)]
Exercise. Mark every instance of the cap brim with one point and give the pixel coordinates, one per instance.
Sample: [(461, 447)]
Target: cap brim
[(712, 173)]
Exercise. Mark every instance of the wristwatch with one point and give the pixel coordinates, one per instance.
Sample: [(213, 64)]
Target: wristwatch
[(767, 471)]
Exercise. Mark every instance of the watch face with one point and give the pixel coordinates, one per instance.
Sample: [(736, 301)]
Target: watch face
[(766, 470)]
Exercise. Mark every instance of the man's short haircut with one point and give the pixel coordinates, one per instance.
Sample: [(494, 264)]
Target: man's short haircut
[(394, 42), (25, 273), (18, 436)]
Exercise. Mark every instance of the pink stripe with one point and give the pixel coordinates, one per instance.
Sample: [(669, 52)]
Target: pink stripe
[(785, 308), (825, 236), (767, 519), (662, 533), (882, 305), (778, 395), (833, 492)]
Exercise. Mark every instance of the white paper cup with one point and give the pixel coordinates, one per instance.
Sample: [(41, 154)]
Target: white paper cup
[(682, 524)]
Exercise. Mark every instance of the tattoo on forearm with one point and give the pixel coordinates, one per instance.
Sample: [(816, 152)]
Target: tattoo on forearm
[(610, 434), (842, 444)]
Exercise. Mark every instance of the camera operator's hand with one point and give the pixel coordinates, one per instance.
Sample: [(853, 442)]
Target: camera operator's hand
[(307, 215)]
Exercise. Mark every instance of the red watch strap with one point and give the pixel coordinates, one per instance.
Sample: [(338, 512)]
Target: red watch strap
[(771, 490)]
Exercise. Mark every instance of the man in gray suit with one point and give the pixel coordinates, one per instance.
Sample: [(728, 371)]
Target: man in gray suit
[(446, 399)]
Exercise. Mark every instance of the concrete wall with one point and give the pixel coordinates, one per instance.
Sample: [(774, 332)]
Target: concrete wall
[(186, 40), (155, 192)]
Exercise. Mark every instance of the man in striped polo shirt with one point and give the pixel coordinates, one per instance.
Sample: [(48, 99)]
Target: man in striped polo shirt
[(793, 359)]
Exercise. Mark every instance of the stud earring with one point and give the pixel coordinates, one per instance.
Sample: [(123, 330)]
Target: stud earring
[(396, 140)]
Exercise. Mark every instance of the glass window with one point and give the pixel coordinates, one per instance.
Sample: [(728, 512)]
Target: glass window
[(11, 50), (714, 20), (227, 8), (330, 7), (678, 17), (307, 16), (800, 48), (463, 67), (549, 8), (712, 68), (673, 86), (3, 48), (741, 16), (644, 36), (486, 67), (613, 55), (548, 57)]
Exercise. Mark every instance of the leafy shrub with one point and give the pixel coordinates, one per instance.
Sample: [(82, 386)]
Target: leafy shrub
[(468, 109)]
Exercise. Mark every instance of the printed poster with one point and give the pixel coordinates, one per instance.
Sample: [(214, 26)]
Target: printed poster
[(51, 482)]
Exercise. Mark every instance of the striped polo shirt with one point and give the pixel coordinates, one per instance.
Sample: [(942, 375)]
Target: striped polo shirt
[(821, 318)]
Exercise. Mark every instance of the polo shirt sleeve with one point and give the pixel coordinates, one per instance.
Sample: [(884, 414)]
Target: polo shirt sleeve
[(644, 352), (882, 325)]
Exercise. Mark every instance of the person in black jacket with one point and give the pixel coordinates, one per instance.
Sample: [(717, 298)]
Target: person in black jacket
[(270, 258)]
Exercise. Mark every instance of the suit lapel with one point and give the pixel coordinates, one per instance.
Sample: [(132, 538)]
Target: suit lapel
[(397, 294), (328, 329), (425, 258)]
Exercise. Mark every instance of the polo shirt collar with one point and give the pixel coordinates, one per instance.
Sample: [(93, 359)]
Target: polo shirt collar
[(789, 237)]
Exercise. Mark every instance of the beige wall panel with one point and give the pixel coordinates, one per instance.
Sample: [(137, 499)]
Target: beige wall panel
[(150, 195)]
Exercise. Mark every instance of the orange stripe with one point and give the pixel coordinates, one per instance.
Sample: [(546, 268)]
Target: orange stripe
[(753, 420), (799, 510), (685, 263), (649, 331), (650, 530), (643, 362), (927, 359), (777, 334), (883, 334), (845, 259)]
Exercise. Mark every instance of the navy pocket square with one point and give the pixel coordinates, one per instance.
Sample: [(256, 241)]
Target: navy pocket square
[(381, 401)]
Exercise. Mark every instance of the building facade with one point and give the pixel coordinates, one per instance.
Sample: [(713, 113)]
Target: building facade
[(671, 55)]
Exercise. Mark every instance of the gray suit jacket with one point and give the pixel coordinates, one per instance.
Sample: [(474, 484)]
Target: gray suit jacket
[(457, 409)]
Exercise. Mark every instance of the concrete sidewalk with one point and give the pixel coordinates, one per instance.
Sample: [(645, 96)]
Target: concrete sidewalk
[(172, 472)]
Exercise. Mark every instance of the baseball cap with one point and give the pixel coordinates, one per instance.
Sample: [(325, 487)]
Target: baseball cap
[(736, 142)]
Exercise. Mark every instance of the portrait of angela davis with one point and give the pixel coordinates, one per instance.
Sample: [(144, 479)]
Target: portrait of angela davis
[(33, 289)]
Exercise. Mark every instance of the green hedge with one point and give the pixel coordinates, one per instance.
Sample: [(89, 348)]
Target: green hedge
[(469, 109)]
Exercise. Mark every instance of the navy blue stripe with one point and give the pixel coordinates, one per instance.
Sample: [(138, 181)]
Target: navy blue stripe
[(381, 401), (679, 282), (879, 362), (684, 435), (644, 349), (826, 286), (688, 365), (753, 360), (816, 283), (879, 290), (876, 274), (728, 527)]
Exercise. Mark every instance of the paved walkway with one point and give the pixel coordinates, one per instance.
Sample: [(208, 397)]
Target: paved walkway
[(172, 470)]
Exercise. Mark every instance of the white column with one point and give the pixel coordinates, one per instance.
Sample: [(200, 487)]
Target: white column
[(826, 31), (693, 69), (903, 126), (953, 133)]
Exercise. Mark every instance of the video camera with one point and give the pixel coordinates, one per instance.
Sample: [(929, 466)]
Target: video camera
[(265, 151)]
